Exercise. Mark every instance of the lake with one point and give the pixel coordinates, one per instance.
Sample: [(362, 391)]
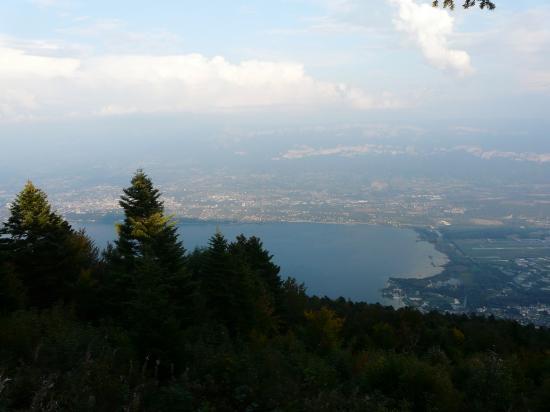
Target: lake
[(353, 261)]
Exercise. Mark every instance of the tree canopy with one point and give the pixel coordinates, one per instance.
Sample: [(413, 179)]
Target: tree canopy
[(43, 255)]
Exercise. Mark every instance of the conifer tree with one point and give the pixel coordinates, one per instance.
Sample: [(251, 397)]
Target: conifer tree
[(250, 252), (236, 295), (43, 253), (140, 203), (32, 219), (147, 238), (146, 229), (217, 277)]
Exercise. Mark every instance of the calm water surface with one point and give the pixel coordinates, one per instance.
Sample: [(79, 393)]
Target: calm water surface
[(353, 261)]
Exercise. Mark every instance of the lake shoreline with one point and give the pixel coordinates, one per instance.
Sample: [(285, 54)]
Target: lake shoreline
[(332, 259)]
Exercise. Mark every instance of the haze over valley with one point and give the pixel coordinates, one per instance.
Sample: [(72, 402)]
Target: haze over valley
[(285, 205)]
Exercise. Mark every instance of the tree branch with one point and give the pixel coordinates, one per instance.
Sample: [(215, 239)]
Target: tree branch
[(467, 4)]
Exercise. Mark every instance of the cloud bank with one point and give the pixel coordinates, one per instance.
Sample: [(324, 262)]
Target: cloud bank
[(41, 86), (430, 28), (391, 150), (499, 154), (345, 151)]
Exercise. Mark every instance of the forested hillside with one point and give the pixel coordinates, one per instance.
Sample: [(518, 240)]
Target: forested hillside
[(148, 326)]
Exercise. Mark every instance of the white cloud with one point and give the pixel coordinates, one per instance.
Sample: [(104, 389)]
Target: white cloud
[(468, 130), (16, 64), (346, 151), (302, 152), (38, 86), (430, 28), (499, 154)]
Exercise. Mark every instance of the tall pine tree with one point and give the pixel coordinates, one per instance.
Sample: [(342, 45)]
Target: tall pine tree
[(146, 230), (43, 255), (147, 254)]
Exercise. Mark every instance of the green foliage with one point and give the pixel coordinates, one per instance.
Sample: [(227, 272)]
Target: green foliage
[(294, 302), (467, 4), (147, 286), (44, 258), (251, 253), (322, 330), (145, 230), (53, 362), (233, 284), (31, 218), (218, 281), (411, 382), (152, 328)]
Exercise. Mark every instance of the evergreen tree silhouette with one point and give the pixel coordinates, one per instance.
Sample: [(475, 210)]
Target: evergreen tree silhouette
[(147, 246), (43, 253), (250, 252), (236, 294), (218, 281)]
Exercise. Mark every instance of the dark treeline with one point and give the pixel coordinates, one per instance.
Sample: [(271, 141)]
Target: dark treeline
[(148, 326)]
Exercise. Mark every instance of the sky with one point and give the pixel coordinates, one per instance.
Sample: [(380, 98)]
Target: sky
[(266, 63)]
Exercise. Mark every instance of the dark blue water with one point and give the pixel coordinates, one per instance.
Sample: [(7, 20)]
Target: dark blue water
[(353, 261)]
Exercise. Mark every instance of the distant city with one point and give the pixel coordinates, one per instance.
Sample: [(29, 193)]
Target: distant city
[(317, 197)]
